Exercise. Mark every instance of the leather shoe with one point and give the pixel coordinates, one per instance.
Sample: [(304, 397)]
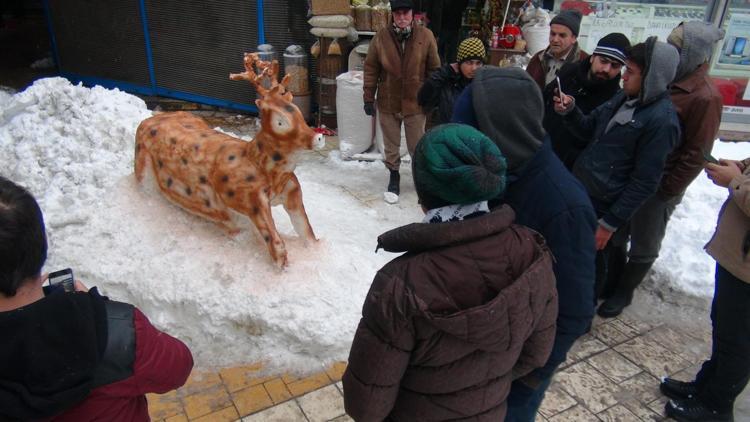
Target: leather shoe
[(690, 410), (678, 390)]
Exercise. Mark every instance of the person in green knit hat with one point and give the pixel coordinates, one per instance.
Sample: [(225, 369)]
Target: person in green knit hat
[(470, 305), (439, 92)]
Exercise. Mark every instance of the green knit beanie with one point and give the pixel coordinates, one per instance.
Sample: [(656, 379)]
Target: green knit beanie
[(457, 164)]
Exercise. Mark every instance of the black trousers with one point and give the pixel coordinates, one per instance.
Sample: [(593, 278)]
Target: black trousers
[(723, 377)]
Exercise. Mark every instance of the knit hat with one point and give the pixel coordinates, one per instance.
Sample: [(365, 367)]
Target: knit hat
[(457, 164), (570, 18), (613, 46), (401, 4), (470, 49)]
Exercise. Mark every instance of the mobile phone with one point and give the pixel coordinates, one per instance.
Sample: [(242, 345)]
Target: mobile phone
[(63, 278), (559, 88), (710, 158)]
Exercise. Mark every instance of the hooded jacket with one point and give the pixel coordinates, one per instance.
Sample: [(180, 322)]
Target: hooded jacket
[(78, 356), (628, 142), (396, 73), (440, 91), (447, 326), (544, 195), (589, 94), (698, 104)]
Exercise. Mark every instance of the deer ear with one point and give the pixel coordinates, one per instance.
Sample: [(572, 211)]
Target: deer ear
[(259, 103), (288, 96)]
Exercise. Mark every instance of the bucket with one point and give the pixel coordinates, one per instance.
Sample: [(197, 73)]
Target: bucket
[(537, 37)]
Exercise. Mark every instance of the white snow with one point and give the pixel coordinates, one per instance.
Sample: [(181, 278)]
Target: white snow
[(73, 148)]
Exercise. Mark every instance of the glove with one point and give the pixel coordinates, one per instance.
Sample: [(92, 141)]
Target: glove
[(370, 109)]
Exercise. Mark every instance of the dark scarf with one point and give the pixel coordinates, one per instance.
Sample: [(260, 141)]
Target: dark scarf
[(403, 34)]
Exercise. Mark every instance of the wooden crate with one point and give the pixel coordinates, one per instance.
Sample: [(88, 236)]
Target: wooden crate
[(331, 7)]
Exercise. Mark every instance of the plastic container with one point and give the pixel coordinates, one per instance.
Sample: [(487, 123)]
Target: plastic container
[(266, 53), (303, 103), (295, 65), (363, 18), (380, 15)]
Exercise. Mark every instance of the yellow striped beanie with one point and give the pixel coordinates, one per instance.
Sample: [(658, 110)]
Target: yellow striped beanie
[(470, 49)]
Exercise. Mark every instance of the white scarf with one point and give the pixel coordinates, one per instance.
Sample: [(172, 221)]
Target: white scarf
[(455, 212)]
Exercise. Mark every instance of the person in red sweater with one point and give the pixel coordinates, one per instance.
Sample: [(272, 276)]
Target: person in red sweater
[(71, 355)]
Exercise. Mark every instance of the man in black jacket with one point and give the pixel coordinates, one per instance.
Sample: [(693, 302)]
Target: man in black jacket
[(591, 82)]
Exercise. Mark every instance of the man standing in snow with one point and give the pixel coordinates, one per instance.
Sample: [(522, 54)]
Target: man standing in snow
[(711, 396), (546, 198), (629, 137), (399, 59), (698, 104), (471, 304), (563, 48), (592, 82), (71, 356)]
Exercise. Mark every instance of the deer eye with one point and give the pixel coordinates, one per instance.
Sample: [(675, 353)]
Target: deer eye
[(280, 124)]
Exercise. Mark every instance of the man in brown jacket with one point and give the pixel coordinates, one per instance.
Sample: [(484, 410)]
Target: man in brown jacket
[(563, 48), (468, 308), (698, 104), (399, 59), (723, 377)]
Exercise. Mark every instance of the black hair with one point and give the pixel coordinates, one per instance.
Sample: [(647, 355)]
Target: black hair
[(23, 243), (637, 54)]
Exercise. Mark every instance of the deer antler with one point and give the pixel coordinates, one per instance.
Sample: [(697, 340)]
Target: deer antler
[(268, 70)]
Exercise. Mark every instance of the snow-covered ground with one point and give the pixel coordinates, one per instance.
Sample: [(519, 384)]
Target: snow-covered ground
[(73, 148)]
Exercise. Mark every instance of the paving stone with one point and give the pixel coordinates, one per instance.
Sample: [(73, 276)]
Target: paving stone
[(322, 405), (177, 418), (336, 371), (241, 377), (205, 402), (642, 388), (162, 406), (556, 400), (617, 413), (277, 390), (575, 414), (689, 373), (609, 334), (585, 347), (588, 386), (540, 418), (228, 414), (340, 386), (614, 366), (689, 348), (342, 418), (642, 411), (305, 385), (658, 406), (652, 356), (286, 412), (251, 400), (199, 381), (638, 325)]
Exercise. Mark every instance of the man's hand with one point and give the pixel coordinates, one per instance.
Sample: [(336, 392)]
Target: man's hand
[(370, 109), (563, 103), (723, 173), (602, 237)]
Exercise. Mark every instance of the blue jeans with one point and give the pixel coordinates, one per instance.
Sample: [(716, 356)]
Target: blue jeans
[(524, 402)]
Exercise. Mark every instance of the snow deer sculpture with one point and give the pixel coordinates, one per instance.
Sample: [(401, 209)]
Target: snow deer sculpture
[(206, 172)]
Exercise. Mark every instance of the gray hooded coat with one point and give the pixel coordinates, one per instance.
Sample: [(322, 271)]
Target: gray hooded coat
[(630, 139)]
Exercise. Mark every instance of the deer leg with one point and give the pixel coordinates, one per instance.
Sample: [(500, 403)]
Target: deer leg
[(140, 159), (260, 214), (292, 200)]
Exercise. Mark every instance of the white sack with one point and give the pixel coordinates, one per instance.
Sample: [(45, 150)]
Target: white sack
[(331, 21), (355, 128)]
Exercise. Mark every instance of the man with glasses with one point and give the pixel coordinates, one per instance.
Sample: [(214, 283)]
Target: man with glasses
[(591, 82)]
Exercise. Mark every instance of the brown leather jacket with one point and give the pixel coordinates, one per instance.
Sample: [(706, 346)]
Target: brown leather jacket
[(398, 74), (730, 244), (699, 106), (447, 326)]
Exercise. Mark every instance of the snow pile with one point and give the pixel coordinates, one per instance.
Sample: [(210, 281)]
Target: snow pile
[(73, 148)]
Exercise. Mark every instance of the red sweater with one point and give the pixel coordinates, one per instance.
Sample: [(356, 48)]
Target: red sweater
[(162, 363)]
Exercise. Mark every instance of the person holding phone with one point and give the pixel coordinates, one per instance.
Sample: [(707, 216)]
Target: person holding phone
[(711, 395), (71, 356)]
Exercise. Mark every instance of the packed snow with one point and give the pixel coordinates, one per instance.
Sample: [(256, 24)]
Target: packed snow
[(72, 146)]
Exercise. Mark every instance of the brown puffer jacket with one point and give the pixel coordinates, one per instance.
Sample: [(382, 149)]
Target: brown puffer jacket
[(447, 326), (396, 75)]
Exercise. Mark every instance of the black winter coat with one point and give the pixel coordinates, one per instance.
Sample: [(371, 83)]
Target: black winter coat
[(589, 94), (440, 91)]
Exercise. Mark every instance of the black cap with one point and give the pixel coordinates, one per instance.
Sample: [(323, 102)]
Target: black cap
[(613, 46), (401, 4), (570, 18)]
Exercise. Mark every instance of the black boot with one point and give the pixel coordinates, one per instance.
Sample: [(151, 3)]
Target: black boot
[(689, 410), (678, 390), (394, 182), (608, 279), (632, 276)]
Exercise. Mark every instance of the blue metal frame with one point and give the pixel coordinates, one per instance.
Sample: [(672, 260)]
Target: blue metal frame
[(153, 88)]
